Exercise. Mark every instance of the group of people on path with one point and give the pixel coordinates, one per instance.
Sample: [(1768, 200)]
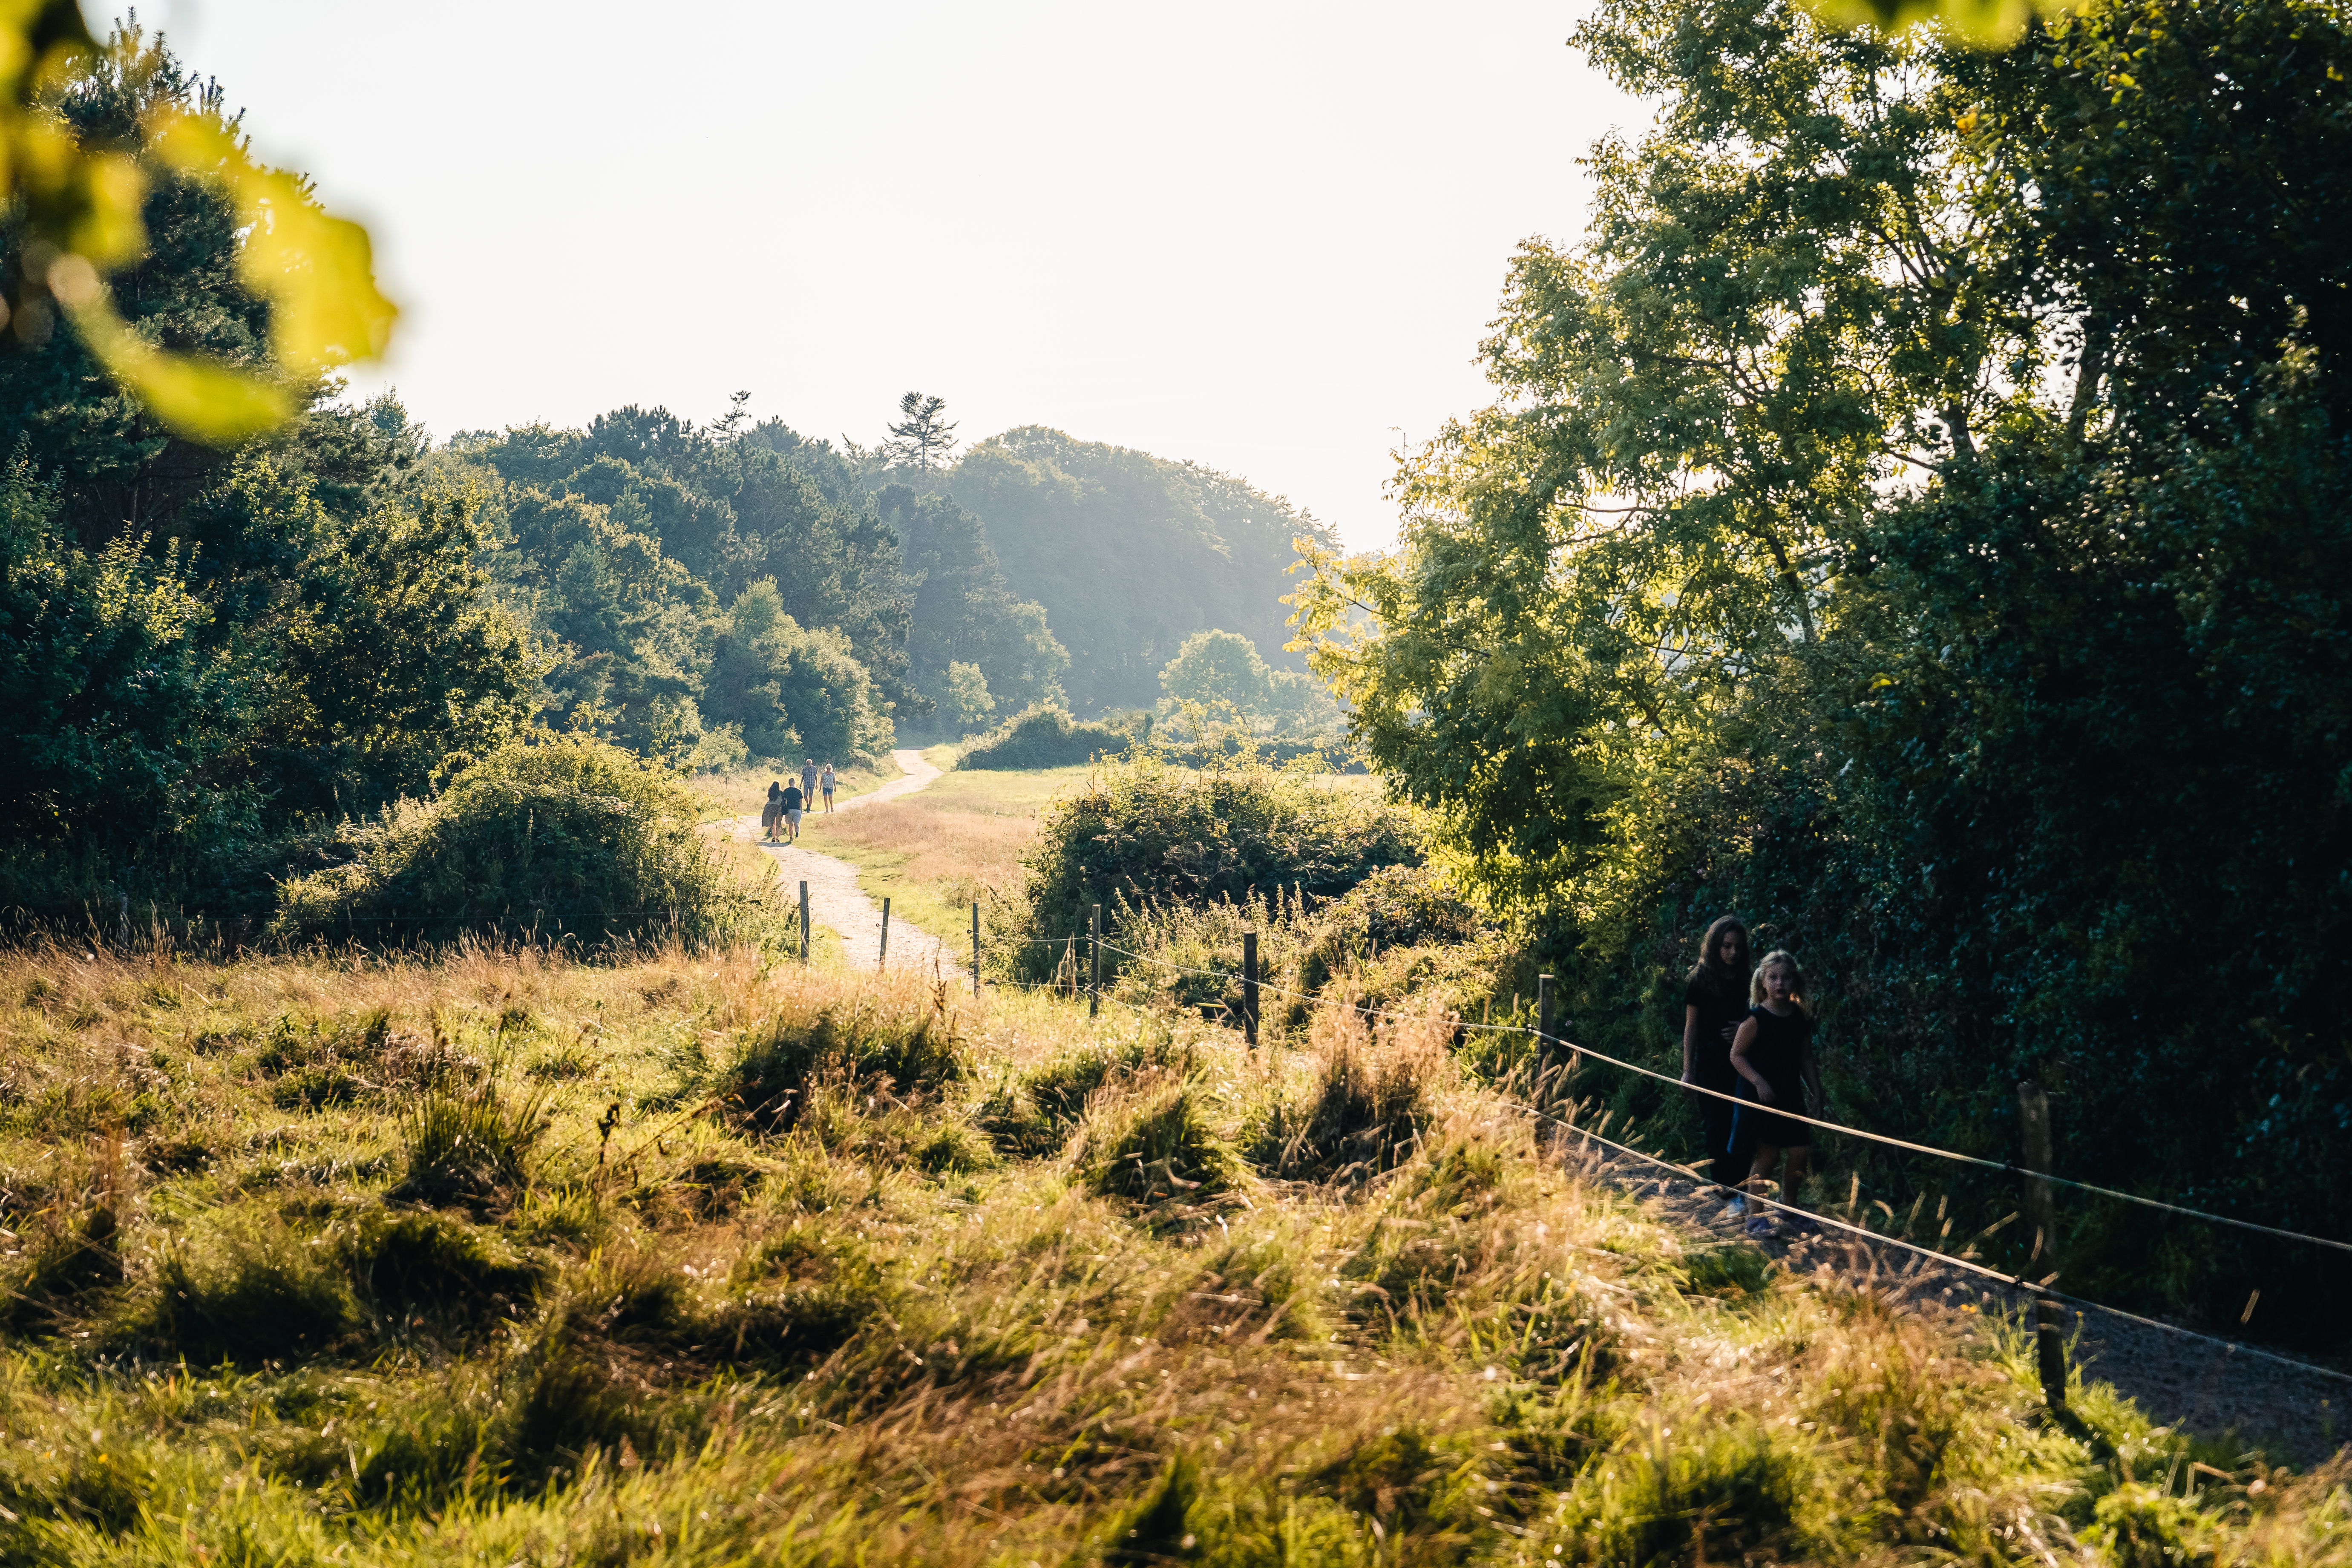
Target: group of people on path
[(1747, 1041), (782, 813)]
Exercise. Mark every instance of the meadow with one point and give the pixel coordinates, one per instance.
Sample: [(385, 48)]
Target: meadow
[(493, 1254)]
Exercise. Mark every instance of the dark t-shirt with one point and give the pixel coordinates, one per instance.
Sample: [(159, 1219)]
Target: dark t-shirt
[(1778, 1054), (1721, 1009), (791, 798)]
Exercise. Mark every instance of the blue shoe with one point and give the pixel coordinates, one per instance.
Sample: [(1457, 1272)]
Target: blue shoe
[(1760, 1227)]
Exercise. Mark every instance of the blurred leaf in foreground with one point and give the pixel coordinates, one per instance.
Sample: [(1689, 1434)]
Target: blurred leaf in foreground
[(1982, 24), (80, 201)]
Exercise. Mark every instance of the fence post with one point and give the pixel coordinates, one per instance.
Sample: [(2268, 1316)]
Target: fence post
[(1094, 990), (805, 926), (1543, 1032), (1249, 988), (2042, 1214), (882, 960), (975, 947)]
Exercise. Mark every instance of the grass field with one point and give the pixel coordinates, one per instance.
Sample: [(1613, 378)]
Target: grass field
[(701, 1258)]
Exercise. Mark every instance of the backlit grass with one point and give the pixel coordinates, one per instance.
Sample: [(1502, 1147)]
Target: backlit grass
[(705, 1258)]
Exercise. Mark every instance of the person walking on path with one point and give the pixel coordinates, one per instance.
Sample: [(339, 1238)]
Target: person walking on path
[(1773, 1054), (824, 782), (771, 811), (1714, 1004), (791, 812), (808, 781)]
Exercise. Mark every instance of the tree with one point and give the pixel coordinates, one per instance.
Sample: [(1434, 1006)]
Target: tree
[(968, 698), (922, 439), (1914, 519), (1216, 667)]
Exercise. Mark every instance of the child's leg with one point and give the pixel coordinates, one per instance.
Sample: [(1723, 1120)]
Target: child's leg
[(1759, 1173), (1801, 1164)]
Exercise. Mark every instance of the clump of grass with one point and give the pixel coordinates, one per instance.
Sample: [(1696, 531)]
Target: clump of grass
[(898, 1050), (1724, 1491), (469, 1146), (419, 1265), (1032, 1115), (249, 1290), (1369, 1099), (1154, 1144)]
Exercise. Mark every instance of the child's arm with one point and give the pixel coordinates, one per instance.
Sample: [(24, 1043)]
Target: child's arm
[(1741, 1044), (1690, 1042)]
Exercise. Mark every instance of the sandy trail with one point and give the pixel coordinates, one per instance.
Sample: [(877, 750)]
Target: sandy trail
[(835, 898)]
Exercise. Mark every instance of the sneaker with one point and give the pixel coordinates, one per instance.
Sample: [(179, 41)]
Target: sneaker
[(1737, 1209), (1760, 1227)]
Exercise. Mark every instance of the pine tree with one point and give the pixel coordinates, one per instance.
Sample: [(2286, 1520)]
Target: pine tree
[(922, 440)]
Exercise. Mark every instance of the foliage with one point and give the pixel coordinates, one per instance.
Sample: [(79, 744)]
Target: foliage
[(1143, 834), (1042, 737), (791, 690), (964, 611), (549, 837), (90, 138), (922, 439), (1218, 670), (1129, 553), (1912, 521)]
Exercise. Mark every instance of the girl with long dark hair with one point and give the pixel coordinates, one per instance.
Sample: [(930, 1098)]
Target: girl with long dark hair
[(1714, 1004)]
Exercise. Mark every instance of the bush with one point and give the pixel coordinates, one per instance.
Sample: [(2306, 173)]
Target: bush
[(1042, 737), (566, 834), (1144, 837)]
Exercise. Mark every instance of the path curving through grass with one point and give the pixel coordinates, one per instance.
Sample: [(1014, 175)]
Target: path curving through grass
[(835, 900)]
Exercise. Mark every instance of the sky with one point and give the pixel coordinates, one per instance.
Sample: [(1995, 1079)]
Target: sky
[(1265, 238)]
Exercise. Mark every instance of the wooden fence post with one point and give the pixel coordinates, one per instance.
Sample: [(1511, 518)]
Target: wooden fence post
[(2042, 1214), (1094, 990), (1249, 988), (975, 947), (1543, 1032), (805, 926), (882, 959)]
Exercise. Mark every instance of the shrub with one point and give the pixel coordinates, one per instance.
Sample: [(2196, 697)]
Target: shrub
[(1034, 1116), (563, 836), (1042, 736), (1144, 835)]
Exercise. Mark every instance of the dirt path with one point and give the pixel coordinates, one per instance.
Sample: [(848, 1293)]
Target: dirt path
[(835, 898)]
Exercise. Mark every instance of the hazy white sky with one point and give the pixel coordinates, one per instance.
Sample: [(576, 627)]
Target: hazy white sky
[(1263, 236)]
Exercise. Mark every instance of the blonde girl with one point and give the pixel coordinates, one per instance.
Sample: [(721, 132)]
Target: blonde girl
[(1773, 1055)]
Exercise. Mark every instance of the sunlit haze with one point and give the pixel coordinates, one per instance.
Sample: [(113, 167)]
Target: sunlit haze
[(1266, 238)]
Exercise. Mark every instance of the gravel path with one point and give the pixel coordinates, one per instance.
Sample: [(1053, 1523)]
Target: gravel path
[(835, 900)]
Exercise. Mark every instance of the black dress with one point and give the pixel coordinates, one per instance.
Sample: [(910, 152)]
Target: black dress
[(1722, 1007), (1778, 1054)]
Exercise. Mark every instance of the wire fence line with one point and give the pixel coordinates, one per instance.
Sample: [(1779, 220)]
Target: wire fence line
[(1860, 1233), (2007, 1167)]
